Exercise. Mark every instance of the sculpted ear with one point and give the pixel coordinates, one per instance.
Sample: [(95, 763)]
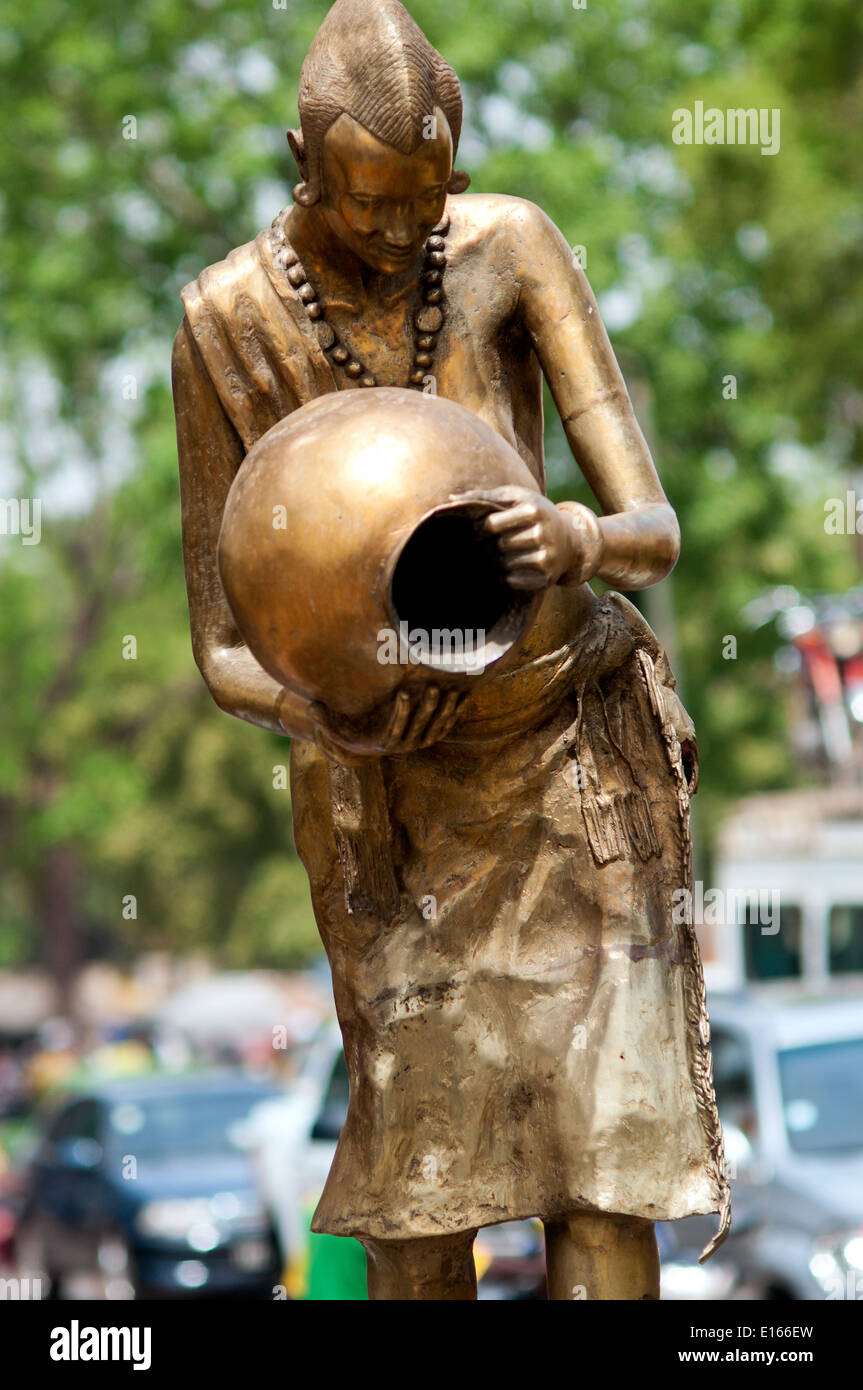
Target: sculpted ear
[(459, 181), (305, 193), (298, 150)]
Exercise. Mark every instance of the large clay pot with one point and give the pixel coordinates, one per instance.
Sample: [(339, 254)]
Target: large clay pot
[(360, 515)]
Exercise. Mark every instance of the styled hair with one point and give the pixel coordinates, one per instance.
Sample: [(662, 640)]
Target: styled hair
[(370, 60)]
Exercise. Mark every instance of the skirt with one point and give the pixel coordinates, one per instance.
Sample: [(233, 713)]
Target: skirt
[(523, 1016)]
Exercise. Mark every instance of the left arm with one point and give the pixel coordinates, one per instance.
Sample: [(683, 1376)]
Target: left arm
[(637, 540)]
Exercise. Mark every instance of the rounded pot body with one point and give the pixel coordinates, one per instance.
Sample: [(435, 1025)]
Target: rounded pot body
[(353, 555)]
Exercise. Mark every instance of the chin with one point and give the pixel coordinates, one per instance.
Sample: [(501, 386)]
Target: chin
[(393, 265)]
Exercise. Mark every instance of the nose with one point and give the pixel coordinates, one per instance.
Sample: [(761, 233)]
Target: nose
[(400, 233)]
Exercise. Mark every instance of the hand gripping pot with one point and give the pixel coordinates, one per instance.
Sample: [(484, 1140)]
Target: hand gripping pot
[(352, 552)]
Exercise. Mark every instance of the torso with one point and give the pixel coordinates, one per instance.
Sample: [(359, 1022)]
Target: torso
[(484, 359)]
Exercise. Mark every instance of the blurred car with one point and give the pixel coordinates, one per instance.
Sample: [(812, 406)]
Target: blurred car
[(294, 1141), (788, 1071), (142, 1186)]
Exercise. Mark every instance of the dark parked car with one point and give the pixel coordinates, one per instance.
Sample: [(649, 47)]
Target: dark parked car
[(143, 1185)]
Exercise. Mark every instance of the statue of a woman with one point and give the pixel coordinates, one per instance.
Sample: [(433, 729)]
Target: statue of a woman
[(538, 1045)]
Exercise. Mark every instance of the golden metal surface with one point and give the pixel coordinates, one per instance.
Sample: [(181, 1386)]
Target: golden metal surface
[(492, 865), (317, 532)]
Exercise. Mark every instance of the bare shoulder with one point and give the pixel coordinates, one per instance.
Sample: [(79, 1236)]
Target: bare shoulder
[(505, 222)]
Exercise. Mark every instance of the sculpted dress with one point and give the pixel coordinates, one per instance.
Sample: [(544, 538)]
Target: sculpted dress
[(524, 1021)]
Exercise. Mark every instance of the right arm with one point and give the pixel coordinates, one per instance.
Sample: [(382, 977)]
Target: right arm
[(210, 453)]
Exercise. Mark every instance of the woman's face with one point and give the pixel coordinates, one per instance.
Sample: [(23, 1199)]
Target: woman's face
[(382, 204)]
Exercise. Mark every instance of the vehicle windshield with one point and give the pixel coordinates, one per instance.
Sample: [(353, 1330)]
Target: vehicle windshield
[(822, 1095), (184, 1122)]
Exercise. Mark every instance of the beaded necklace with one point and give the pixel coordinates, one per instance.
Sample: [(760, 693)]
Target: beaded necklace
[(428, 320)]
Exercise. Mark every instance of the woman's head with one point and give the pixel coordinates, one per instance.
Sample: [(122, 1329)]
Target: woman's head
[(380, 115)]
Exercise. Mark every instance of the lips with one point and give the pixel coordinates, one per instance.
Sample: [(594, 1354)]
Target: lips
[(396, 253)]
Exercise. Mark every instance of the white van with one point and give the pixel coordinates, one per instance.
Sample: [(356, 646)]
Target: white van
[(786, 904)]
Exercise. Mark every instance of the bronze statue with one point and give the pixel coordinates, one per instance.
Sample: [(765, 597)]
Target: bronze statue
[(535, 1042)]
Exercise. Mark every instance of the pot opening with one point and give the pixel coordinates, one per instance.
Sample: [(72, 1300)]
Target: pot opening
[(450, 594)]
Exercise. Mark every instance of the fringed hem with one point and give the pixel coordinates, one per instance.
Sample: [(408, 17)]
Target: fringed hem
[(695, 997)]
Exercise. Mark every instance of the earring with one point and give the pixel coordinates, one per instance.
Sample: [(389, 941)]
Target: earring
[(305, 194)]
